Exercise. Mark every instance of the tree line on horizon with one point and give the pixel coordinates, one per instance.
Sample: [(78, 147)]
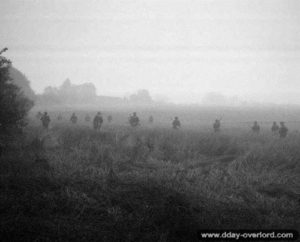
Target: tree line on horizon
[(86, 93)]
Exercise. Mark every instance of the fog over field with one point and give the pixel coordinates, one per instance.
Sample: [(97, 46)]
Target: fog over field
[(149, 120), (178, 50)]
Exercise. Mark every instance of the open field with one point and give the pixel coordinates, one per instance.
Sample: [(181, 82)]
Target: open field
[(149, 121), (146, 184), (191, 117)]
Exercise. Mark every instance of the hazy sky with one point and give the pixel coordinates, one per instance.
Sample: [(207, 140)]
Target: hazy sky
[(177, 48)]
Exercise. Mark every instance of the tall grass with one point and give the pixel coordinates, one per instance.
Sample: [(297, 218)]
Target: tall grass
[(145, 184)]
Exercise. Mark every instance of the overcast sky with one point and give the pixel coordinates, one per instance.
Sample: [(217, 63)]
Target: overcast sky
[(177, 48)]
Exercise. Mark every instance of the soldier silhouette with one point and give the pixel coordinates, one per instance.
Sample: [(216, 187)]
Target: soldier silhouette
[(134, 120), (176, 123), (73, 118), (217, 125), (97, 122), (45, 120), (151, 119), (256, 127), (283, 130)]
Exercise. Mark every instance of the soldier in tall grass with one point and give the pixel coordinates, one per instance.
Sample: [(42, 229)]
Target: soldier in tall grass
[(151, 119), (176, 123), (97, 122), (283, 130), (45, 120), (217, 125), (134, 120), (256, 128), (73, 118)]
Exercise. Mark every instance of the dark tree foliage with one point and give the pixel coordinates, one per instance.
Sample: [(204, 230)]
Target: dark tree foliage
[(21, 81), (13, 104)]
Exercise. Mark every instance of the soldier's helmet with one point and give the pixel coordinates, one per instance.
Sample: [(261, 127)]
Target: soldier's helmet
[(134, 114), (99, 113), (45, 113), (176, 118)]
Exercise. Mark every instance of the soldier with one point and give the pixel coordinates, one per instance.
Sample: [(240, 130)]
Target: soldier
[(176, 123), (87, 118), (59, 117), (134, 120), (39, 115), (151, 119), (73, 118), (283, 130), (275, 128), (45, 120), (255, 128), (109, 118), (217, 125), (97, 122)]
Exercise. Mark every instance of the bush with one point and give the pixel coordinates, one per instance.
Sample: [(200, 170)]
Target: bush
[(14, 106)]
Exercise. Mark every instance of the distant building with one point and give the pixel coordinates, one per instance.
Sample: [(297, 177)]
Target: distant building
[(141, 97), (69, 93)]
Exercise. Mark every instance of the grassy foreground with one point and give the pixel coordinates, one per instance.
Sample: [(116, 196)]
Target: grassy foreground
[(71, 184)]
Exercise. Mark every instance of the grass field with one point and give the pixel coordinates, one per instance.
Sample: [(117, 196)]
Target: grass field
[(146, 184)]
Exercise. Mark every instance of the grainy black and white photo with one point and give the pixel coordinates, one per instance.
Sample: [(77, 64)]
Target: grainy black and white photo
[(149, 120)]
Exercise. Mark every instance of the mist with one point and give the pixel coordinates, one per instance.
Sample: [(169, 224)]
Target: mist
[(178, 50), (149, 120)]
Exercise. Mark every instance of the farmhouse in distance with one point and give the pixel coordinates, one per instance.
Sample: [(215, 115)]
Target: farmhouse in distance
[(86, 94)]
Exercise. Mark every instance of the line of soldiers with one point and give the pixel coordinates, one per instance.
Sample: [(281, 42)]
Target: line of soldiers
[(282, 130), (97, 122), (134, 121)]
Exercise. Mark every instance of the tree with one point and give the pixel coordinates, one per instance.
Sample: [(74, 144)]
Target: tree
[(14, 106), (21, 81)]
